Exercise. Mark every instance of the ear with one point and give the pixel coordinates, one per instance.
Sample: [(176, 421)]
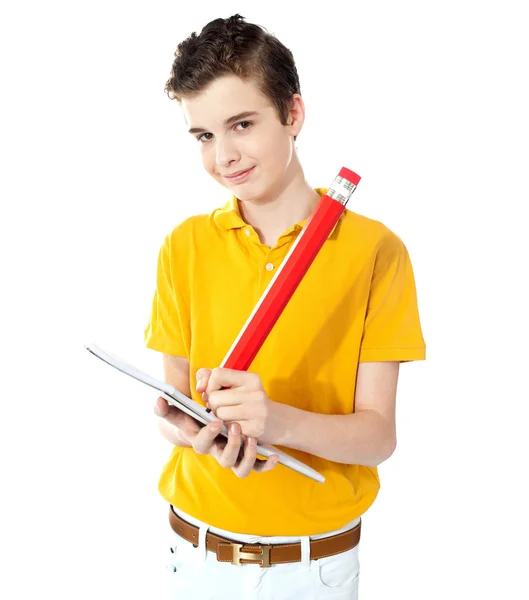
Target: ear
[(296, 115)]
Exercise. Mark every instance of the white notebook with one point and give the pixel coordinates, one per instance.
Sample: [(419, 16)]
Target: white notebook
[(195, 410)]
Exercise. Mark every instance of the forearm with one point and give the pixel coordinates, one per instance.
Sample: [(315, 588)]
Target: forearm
[(363, 438), (176, 373)]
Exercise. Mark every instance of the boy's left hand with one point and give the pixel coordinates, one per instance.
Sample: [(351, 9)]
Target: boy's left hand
[(245, 402)]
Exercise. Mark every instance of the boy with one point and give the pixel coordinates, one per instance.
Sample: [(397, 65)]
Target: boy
[(323, 385)]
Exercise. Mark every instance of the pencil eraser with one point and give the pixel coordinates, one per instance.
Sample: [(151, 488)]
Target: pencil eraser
[(349, 175)]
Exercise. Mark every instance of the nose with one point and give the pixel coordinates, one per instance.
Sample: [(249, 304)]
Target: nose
[(226, 151)]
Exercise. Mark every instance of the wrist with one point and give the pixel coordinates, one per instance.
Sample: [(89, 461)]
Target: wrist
[(284, 420)]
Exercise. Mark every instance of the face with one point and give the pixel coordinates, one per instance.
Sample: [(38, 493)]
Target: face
[(237, 129)]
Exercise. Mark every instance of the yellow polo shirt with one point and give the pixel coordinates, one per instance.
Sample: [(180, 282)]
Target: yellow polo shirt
[(356, 303)]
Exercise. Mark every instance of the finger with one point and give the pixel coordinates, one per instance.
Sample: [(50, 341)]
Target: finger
[(204, 441), (161, 407), (247, 462), (232, 397), (266, 465), (202, 376), (189, 427), (184, 422), (231, 378), (230, 454)]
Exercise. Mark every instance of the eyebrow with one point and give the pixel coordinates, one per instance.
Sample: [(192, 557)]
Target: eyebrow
[(229, 121)]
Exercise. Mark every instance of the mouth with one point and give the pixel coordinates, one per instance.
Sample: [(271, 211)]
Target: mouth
[(239, 175)]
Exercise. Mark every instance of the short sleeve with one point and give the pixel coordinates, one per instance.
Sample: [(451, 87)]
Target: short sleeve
[(166, 326), (392, 328)]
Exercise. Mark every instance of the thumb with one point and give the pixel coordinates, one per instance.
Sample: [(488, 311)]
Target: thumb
[(161, 407), (202, 376)]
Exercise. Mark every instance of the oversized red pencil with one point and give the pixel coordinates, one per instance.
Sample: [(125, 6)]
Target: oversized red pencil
[(291, 272)]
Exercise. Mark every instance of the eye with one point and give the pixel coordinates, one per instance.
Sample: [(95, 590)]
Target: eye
[(248, 123), (199, 137)]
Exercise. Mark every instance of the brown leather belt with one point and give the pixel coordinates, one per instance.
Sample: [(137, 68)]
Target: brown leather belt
[(264, 555)]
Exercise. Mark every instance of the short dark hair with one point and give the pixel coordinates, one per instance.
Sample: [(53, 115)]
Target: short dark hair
[(234, 47)]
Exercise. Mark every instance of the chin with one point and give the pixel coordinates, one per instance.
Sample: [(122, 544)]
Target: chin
[(243, 192)]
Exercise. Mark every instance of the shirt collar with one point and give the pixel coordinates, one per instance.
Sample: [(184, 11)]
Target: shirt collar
[(229, 216)]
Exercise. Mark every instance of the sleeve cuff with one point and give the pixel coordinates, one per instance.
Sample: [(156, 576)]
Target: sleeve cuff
[(166, 346), (392, 354)]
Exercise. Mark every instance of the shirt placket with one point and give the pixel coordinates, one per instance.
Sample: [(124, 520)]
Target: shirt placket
[(272, 261)]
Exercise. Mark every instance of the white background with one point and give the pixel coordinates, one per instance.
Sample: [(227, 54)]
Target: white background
[(427, 101)]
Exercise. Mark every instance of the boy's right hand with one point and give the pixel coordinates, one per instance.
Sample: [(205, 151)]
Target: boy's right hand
[(205, 439)]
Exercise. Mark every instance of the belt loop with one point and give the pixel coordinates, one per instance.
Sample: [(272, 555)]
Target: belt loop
[(202, 531), (305, 553)]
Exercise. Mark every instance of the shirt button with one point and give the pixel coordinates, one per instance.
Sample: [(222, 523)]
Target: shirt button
[(269, 266), (248, 232)]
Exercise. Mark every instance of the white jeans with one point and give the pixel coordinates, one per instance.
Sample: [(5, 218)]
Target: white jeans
[(195, 573)]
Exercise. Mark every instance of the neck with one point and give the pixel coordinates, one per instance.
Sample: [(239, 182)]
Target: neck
[(271, 216)]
